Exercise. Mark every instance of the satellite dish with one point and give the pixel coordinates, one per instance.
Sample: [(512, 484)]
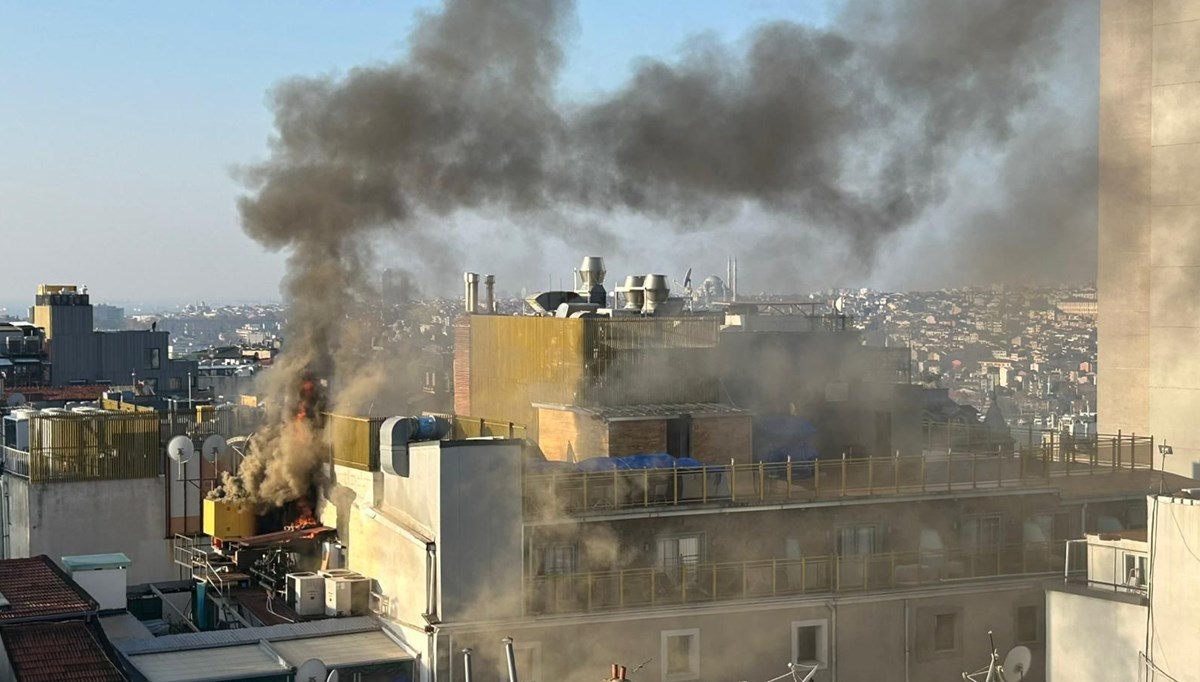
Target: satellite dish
[(312, 670), (212, 448), (181, 449), (333, 676), (1017, 661), (16, 399), (839, 305)]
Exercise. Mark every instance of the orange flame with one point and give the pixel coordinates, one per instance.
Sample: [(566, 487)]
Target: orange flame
[(305, 517)]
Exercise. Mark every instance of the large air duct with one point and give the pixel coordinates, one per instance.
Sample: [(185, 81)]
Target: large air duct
[(592, 273), (635, 295), (656, 292)]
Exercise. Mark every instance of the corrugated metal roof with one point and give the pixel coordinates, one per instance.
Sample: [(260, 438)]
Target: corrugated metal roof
[(231, 662), (337, 651), (226, 638)]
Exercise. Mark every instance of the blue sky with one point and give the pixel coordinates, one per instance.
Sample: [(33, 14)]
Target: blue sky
[(120, 122)]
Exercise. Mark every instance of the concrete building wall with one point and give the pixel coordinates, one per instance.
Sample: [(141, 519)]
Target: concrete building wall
[(866, 639), (97, 517), (16, 516), (1149, 227), (1090, 636), (1175, 589)]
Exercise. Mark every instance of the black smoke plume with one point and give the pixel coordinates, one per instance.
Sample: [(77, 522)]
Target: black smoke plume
[(851, 130)]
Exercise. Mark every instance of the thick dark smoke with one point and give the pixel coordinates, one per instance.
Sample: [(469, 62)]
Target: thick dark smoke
[(852, 131)]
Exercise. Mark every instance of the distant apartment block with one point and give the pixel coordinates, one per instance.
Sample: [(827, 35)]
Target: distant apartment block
[(80, 354)]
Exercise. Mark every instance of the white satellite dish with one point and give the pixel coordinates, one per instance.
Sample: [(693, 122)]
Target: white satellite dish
[(181, 449), (333, 676), (312, 670), (16, 399), (839, 305), (1017, 663), (212, 448)]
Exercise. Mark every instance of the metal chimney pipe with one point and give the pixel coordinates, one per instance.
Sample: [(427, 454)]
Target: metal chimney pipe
[(735, 279), (466, 665), (472, 294), (615, 669), (512, 659), (622, 675), (489, 294)]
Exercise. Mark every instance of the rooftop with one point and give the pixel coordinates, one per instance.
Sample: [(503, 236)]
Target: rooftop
[(614, 412), (35, 588), (59, 652)]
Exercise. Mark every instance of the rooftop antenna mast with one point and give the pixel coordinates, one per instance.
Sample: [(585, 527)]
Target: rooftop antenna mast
[(1016, 664)]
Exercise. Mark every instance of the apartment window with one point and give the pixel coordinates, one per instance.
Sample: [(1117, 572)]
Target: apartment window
[(1028, 625), (945, 632), (1135, 569), (809, 643), (680, 550), (1047, 527), (556, 559), (175, 384), (680, 655), (859, 540), (153, 360), (982, 531), (528, 656)]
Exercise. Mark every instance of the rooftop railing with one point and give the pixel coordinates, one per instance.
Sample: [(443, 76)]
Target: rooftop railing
[(764, 483), (1107, 567), (696, 583)]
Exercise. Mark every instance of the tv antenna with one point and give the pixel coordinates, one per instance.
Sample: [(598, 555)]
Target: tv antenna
[(1016, 665)]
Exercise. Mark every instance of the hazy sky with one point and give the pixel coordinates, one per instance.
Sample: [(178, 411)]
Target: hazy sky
[(121, 121)]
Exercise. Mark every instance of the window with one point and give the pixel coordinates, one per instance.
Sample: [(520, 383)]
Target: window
[(982, 531), (809, 643), (1135, 569), (945, 632), (1047, 527), (174, 384), (859, 540), (555, 559), (152, 358), (528, 656), (680, 655), (681, 550), (1028, 625)]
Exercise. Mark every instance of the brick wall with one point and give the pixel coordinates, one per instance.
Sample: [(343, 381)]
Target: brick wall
[(717, 439), (637, 437), (562, 433)]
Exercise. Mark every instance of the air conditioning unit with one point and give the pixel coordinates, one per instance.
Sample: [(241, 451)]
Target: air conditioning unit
[(348, 596), (306, 593)]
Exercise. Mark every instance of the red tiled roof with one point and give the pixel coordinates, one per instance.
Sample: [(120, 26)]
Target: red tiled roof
[(59, 652), (36, 588)]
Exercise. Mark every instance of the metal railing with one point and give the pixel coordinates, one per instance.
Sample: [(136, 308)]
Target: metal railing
[(761, 579), (16, 462), (784, 482), (472, 427), (1083, 567)]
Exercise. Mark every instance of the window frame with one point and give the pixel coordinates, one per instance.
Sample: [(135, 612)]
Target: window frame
[(153, 358), (933, 627), (876, 539), (541, 552), (660, 560), (976, 519), (693, 655), (1038, 626), (822, 659)]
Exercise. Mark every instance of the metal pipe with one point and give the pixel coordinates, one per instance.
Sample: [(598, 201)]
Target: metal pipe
[(489, 295), (471, 297), (512, 659), (466, 664)]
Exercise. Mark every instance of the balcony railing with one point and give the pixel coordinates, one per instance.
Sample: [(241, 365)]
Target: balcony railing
[(16, 462), (773, 578), (798, 482), (1107, 567)]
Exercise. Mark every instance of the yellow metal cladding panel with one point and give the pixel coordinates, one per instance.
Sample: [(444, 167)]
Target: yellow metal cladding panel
[(518, 361), (227, 521), (100, 446), (354, 441)]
